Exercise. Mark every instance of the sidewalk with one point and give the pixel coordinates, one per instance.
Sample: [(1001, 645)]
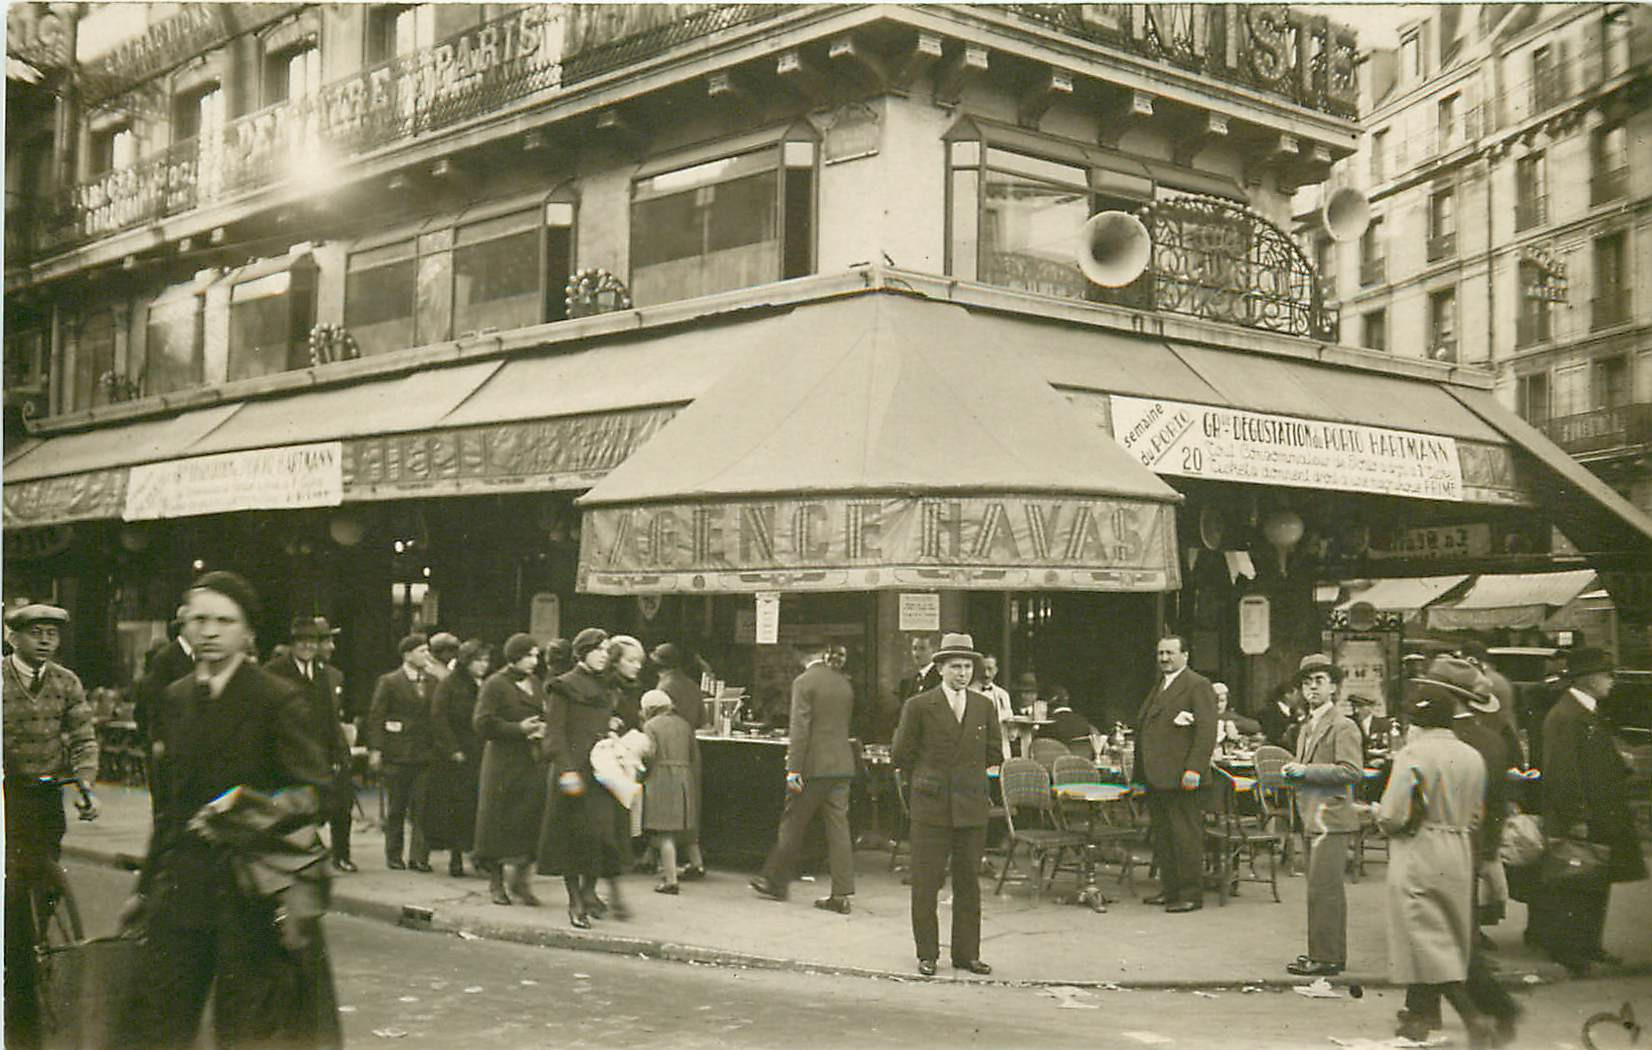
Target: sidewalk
[(1026, 940)]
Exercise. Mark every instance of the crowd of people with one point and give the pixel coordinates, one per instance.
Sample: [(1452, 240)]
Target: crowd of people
[(559, 760)]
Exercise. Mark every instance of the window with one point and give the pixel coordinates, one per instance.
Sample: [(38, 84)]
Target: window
[(1535, 323), (26, 358), (1445, 117), (1379, 155), (399, 29), (1442, 325), (1411, 57), (291, 74), (1533, 394), (113, 149), (1325, 262), (1611, 303), (733, 222), (1374, 330), (1609, 159), (173, 358), (496, 274), (1545, 79), (1373, 253), (94, 359), (379, 287), (271, 312), (1531, 191), (1609, 382), (1442, 225), (197, 112)]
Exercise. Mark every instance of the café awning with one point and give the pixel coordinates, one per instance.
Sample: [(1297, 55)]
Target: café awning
[(878, 441), (1404, 595), (1515, 601)]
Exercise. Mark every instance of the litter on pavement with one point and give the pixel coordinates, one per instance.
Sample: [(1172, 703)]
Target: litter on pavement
[(1320, 988)]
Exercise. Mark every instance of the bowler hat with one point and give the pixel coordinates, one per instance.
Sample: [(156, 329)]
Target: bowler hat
[(955, 646), (1589, 661), (36, 612), (305, 627), (1314, 663)]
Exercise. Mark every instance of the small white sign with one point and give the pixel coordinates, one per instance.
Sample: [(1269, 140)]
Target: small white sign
[(768, 617), (545, 617), (1255, 625), (920, 612)]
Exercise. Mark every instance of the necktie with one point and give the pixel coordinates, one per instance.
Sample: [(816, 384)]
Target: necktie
[(957, 700)]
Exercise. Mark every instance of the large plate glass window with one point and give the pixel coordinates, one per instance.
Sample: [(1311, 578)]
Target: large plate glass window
[(173, 358), (729, 222), (379, 288), (270, 317), (496, 273), (94, 358)]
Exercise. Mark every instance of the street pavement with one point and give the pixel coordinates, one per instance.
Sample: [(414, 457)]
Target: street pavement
[(408, 990), (1025, 937)]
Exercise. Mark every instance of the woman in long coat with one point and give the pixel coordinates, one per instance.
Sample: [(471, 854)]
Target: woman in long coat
[(585, 831), (1431, 808), (510, 719), (456, 768)]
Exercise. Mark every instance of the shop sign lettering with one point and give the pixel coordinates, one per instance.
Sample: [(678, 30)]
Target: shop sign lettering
[(1436, 541), (284, 478), (89, 496), (1225, 444)]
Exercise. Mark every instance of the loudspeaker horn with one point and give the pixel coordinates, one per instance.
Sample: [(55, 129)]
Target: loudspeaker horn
[(1113, 249), (1346, 214)]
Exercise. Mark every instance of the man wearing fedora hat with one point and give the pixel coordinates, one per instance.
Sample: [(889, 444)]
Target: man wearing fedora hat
[(1176, 733), (1329, 762), (1585, 796), (304, 667), (946, 742)]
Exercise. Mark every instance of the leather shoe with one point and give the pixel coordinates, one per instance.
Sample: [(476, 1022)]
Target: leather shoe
[(667, 888), (1157, 901), (837, 904), (975, 966), (1181, 907), (419, 865), (692, 873), (343, 864), (764, 888), (926, 967), (396, 864), (1313, 969)]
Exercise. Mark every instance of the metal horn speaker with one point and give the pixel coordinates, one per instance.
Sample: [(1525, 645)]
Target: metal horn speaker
[(1346, 214), (1113, 249)]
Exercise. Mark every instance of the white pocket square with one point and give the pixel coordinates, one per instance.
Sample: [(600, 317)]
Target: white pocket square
[(1184, 718)]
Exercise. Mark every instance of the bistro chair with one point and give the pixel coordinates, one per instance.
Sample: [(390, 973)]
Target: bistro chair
[(1234, 837), (1046, 751), (1279, 793), (1034, 821), (1108, 827)]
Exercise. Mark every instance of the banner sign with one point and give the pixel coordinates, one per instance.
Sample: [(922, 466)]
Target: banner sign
[(874, 542), (284, 478), (1435, 541), (1228, 444), (93, 495)]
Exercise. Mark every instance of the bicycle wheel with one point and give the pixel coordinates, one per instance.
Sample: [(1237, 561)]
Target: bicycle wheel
[(56, 915)]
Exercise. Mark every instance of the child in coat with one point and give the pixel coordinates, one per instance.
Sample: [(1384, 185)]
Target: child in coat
[(668, 796)]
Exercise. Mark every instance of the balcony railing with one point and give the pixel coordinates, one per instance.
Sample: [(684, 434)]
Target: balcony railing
[(1531, 212), (527, 51), (1302, 59), (1442, 247), (1610, 308), (1605, 429), (1373, 271), (1609, 186)]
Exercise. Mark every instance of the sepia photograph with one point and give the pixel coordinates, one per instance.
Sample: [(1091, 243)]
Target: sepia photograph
[(827, 526)]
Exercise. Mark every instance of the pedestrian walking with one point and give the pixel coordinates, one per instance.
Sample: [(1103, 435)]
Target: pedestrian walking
[(1176, 733), (302, 667), (585, 831), (820, 766), (1329, 762), (260, 955), (398, 741), (510, 721), (946, 742), (688, 700), (1431, 809), (668, 798), (456, 762), (625, 662), (1585, 799)]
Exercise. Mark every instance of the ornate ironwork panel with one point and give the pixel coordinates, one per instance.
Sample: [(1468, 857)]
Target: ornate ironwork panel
[(1220, 260)]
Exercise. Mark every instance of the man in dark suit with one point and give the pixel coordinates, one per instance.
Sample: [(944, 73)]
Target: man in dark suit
[(946, 741), (303, 666), (165, 667), (1175, 734), (399, 744), (1280, 717), (344, 776), (820, 764)]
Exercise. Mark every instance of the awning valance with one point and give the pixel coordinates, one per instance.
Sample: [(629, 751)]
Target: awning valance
[(870, 442), (1404, 595), (1515, 601)]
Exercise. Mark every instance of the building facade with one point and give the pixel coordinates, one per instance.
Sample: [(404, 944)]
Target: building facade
[(360, 299)]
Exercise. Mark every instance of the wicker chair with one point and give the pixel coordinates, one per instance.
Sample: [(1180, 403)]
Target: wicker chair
[(1045, 752), (1234, 837), (1034, 822), (1279, 794)]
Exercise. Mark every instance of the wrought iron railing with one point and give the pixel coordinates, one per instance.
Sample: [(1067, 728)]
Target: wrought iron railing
[(1609, 186), (655, 29), (1442, 246), (1610, 308), (1272, 48), (1604, 429), (1531, 212)]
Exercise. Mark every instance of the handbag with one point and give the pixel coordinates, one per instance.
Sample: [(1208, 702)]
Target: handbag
[(1569, 860), (1522, 843)]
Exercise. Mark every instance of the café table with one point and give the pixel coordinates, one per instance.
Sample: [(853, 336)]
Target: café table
[(1026, 728), (1094, 796)]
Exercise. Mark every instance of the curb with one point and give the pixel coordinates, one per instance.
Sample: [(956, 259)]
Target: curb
[(422, 918)]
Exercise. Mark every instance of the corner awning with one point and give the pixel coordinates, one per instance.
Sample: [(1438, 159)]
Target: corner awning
[(1404, 595), (1515, 601), (877, 442)]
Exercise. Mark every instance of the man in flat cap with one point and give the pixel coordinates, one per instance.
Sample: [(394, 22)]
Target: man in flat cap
[(399, 743)]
